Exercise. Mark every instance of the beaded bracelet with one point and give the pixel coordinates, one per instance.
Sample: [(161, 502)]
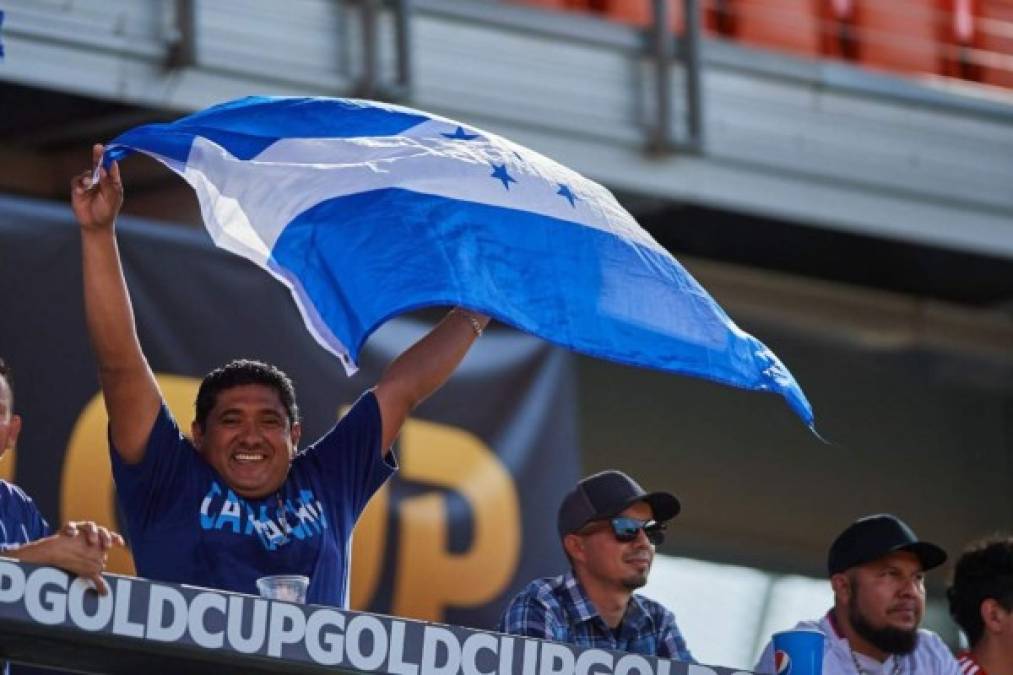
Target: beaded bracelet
[(470, 318)]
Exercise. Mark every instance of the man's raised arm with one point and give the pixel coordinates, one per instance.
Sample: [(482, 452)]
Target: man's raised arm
[(423, 369), (131, 394)]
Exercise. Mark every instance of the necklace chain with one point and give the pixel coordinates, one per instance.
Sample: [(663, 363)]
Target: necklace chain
[(861, 671)]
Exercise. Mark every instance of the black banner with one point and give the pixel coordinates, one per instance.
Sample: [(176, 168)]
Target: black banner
[(468, 520)]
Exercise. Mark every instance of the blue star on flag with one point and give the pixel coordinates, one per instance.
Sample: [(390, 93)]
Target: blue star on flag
[(460, 135), (499, 171), (564, 191)]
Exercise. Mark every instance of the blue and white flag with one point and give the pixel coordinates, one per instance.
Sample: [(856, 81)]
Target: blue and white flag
[(1, 34), (366, 210)]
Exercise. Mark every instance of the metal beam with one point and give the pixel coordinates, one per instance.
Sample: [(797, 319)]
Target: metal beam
[(694, 95), (660, 138), (183, 41), (367, 84), (403, 46)]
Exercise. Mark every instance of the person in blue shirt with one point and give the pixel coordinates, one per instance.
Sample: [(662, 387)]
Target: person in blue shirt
[(609, 527), (80, 548), (237, 501)]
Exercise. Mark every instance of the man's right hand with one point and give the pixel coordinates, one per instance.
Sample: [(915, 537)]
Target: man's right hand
[(79, 548), (77, 555), (96, 206)]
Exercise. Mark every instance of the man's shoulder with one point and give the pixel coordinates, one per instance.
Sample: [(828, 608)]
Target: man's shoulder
[(818, 625), (165, 430), (547, 590), (363, 414), (166, 420), (930, 636), (11, 493), (550, 595), (931, 645), (968, 665), (653, 607)]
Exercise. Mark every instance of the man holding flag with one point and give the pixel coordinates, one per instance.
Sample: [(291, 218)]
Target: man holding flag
[(238, 501)]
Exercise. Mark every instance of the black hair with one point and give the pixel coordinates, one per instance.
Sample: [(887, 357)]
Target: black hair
[(983, 572), (242, 372)]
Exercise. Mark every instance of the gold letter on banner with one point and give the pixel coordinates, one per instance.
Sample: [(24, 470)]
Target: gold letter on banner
[(367, 549), (429, 578), (368, 541), (86, 487)]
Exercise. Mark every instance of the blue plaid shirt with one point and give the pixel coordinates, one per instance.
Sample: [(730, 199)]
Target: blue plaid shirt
[(556, 608)]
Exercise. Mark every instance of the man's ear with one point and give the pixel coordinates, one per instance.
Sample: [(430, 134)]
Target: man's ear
[(295, 434), (197, 435), (574, 546), (994, 615), (841, 585)]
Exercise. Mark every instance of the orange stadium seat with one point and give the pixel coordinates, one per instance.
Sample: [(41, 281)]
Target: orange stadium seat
[(784, 25), (838, 29), (956, 28), (899, 35), (641, 12), (994, 39)]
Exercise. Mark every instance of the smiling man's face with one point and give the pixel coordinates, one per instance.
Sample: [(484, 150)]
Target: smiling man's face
[(248, 439)]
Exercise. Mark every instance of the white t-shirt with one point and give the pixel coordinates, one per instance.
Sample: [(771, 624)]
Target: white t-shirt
[(930, 657)]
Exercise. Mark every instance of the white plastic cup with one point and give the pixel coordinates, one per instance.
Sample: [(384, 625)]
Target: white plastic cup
[(287, 587)]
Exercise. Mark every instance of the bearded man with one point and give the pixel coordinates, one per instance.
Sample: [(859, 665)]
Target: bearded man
[(877, 571)]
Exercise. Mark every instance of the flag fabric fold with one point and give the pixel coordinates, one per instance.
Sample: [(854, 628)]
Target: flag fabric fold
[(367, 210)]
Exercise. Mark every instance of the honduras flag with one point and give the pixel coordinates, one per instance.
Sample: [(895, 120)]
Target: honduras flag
[(367, 210)]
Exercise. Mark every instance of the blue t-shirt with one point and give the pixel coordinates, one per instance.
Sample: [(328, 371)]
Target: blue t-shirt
[(186, 525), (20, 520), (20, 523)]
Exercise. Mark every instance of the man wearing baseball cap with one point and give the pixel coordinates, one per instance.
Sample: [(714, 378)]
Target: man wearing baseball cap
[(609, 526), (877, 571)]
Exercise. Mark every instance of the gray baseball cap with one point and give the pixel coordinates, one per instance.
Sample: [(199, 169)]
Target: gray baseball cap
[(607, 494)]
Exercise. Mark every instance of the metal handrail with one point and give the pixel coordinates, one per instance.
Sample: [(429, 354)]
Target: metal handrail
[(370, 83), (183, 42), (661, 140)]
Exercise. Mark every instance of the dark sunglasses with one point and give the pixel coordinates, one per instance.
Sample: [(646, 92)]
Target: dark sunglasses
[(626, 529)]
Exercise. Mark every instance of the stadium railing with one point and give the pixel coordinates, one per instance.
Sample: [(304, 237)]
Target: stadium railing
[(48, 618)]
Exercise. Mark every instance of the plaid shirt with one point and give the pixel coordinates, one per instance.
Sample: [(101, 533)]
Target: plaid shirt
[(557, 609)]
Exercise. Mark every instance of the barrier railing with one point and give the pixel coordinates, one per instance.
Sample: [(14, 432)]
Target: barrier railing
[(48, 618)]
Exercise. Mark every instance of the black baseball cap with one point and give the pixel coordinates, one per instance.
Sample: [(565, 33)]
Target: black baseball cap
[(872, 537), (606, 494)]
